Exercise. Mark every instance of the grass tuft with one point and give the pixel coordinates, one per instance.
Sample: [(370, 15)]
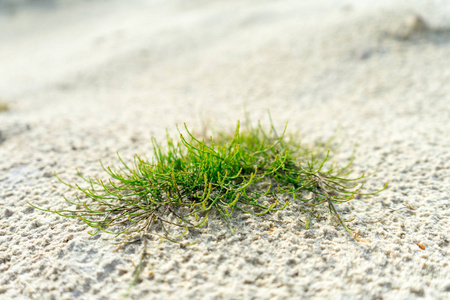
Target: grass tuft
[(190, 180), (251, 171)]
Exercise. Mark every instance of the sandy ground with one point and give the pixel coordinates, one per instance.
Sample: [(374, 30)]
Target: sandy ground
[(84, 80)]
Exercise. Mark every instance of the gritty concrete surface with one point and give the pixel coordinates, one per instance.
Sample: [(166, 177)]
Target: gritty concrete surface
[(84, 79)]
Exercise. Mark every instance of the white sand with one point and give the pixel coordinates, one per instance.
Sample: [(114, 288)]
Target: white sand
[(87, 79)]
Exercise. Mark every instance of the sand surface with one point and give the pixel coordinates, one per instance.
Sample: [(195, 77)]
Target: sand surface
[(85, 79)]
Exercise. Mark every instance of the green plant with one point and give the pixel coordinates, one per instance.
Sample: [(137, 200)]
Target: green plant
[(187, 182)]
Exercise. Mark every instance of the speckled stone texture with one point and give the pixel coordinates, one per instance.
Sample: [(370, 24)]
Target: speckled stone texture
[(86, 79)]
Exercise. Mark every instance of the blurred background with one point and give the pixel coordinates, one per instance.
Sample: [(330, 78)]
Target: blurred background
[(192, 60), (259, 44)]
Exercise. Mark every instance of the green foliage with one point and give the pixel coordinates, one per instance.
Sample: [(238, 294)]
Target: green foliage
[(252, 171)]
